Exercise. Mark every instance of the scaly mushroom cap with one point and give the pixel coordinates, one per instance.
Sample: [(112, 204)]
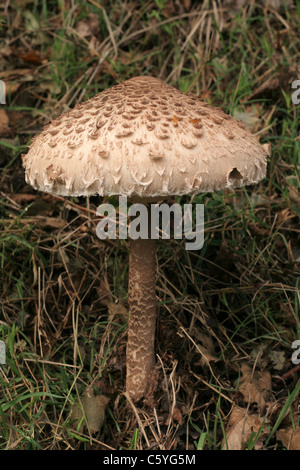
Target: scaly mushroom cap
[(143, 138)]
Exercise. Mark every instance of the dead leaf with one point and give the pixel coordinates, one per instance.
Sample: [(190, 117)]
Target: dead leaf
[(169, 9), (289, 437), (294, 195), (89, 26), (187, 4), (176, 416), (5, 131), (255, 386), (206, 357), (258, 231), (278, 359), (89, 411), (4, 120), (240, 426), (117, 309), (23, 198), (284, 215), (206, 349), (31, 57), (206, 95)]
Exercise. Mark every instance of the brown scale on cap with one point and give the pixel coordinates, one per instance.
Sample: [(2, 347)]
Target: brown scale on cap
[(145, 112), (145, 140)]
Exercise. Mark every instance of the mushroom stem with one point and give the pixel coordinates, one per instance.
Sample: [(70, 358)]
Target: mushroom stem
[(142, 317)]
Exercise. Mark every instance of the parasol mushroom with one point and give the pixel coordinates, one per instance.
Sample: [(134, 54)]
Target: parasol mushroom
[(148, 141)]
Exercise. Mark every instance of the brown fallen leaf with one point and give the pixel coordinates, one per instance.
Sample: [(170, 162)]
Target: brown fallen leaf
[(4, 120), (278, 359), (169, 9), (23, 197), (89, 26), (176, 415), (5, 131), (206, 357), (117, 309), (284, 215), (89, 411), (255, 386), (187, 4), (206, 349), (31, 57), (289, 437), (240, 426), (257, 230)]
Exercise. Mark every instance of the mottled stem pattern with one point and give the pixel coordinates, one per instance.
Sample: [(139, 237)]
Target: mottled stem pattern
[(142, 317)]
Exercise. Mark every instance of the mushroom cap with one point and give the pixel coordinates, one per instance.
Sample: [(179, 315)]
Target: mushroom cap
[(143, 139)]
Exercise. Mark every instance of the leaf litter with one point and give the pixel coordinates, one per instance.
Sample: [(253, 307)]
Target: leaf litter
[(255, 386), (89, 411)]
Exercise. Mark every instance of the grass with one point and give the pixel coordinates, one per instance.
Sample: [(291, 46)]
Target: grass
[(63, 298)]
